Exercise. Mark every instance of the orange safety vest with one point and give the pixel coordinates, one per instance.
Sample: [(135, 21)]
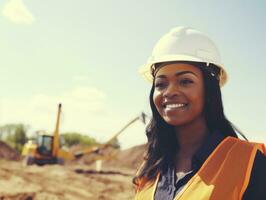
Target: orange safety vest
[(223, 176)]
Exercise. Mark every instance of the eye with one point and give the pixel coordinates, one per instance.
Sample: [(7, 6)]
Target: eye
[(186, 81), (160, 85)]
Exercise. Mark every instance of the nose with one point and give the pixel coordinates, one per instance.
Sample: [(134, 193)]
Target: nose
[(171, 91)]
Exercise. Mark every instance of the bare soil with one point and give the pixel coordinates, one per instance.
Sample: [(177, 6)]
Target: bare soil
[(75, 180)]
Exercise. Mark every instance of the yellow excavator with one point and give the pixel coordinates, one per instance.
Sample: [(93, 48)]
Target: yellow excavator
[(49, 149)]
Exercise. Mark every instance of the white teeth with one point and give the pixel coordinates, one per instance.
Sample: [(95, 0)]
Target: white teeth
[(174, 105)]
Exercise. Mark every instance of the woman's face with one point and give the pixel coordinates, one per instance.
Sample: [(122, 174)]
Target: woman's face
[(179, 93)]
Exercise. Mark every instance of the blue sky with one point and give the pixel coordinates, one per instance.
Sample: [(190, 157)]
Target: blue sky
[(86, 54)]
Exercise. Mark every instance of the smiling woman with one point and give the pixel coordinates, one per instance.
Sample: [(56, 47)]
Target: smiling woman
[(179, 93), (193, 151)]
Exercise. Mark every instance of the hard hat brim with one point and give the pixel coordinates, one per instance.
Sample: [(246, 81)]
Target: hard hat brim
[(145, 70)]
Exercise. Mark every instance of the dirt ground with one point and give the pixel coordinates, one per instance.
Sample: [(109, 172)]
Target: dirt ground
[(75, 181), (7, 152)]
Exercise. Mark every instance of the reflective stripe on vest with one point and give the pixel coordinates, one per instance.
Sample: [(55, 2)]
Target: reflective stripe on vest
[(224, 175)]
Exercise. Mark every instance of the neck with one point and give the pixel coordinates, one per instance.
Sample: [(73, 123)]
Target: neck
[(190, 137)]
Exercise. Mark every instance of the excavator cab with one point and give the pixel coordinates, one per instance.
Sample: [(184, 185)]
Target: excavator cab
[(44, 143)]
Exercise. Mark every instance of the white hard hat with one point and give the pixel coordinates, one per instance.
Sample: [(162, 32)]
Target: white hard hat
[(184, 44)]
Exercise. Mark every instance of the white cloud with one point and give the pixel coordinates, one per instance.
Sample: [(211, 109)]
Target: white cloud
[(17, 12), (39, 110), (84, 109)]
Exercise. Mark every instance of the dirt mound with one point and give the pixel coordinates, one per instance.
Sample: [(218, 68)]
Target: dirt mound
[(71, 181), (7, 152), (56, 182), (129, 158), (94, 154)]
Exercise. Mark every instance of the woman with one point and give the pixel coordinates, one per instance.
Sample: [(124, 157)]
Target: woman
[(193, 150)]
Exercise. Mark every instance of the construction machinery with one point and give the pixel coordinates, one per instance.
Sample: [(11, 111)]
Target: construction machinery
[(49, 149), (98, 150)]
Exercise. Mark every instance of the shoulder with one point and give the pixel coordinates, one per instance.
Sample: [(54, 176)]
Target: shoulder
[(256, 146), (259, 161), (256, 186), (259, 165), (260, 157)]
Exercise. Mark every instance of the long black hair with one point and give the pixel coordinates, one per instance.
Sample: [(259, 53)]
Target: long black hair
[(162, 142)]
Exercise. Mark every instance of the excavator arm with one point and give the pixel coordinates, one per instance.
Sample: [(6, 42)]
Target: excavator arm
[(97, 149)]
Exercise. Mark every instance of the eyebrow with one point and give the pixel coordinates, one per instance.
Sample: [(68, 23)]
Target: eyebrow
[(177, 74)]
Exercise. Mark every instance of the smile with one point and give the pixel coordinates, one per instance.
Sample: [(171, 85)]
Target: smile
[(173, 106)]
